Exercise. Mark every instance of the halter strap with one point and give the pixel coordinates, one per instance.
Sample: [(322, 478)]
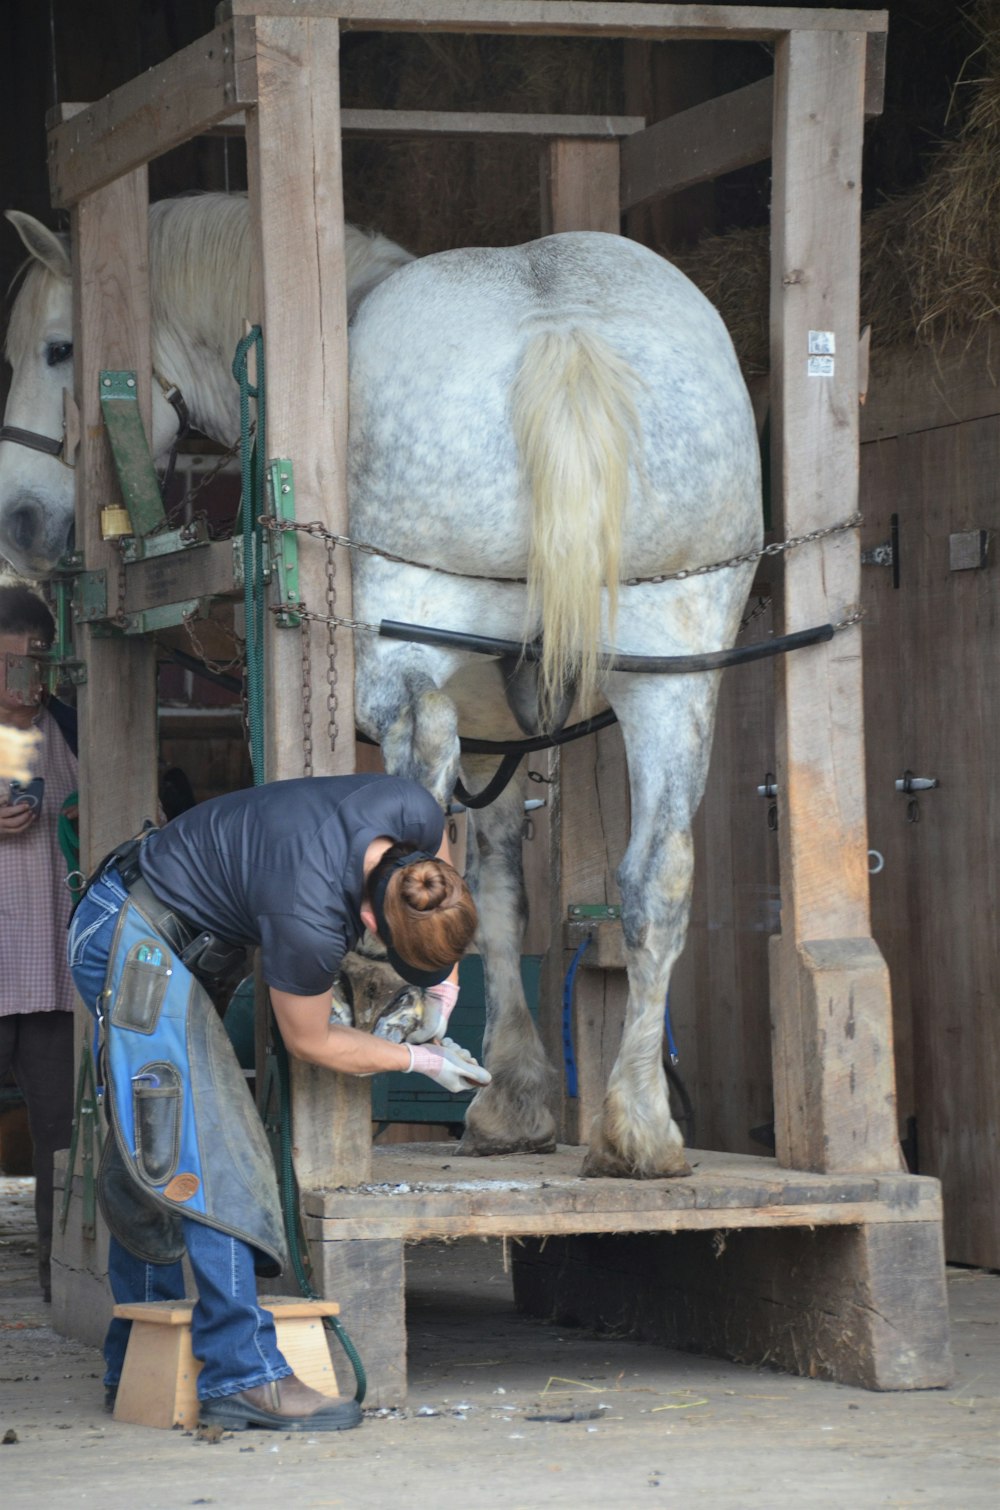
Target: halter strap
[(32, 439)]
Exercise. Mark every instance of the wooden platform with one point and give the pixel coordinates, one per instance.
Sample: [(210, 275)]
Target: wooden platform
[(840, 1276)]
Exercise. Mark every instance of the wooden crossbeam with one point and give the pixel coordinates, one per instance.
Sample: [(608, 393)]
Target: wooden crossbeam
[(419, 124), (149, 115), (718, 136), (568, 18)]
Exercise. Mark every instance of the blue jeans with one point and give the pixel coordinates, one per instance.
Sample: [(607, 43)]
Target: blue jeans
[(231, 1335)]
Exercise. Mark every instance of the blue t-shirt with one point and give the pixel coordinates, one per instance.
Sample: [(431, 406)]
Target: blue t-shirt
[(280, 866)]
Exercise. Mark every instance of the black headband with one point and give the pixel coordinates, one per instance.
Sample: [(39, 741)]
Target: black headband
[(384, 874)]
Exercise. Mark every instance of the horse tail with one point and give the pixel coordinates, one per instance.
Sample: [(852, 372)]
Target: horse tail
[(576, 426)]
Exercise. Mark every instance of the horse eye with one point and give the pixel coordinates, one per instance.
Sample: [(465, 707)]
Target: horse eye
[(58, 351)]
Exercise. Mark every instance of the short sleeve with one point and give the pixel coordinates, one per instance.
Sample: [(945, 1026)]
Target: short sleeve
[(405, 812), (298, 957)]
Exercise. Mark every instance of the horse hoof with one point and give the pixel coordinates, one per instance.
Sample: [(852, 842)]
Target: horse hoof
[(604, 1164)]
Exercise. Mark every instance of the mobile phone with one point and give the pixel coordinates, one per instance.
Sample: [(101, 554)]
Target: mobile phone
[(27, 795)]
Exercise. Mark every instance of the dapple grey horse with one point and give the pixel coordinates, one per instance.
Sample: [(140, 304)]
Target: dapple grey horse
[(542, 433)]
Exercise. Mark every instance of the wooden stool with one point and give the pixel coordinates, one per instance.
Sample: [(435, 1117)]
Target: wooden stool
[(158, 1382)]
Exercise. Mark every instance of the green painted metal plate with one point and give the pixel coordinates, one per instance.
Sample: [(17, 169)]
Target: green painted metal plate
[(137, 477)]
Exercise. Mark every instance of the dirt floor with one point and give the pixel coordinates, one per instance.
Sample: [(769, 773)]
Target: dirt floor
[(652, 1427)]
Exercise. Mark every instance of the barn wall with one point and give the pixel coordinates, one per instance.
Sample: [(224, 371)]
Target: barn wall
[(930, 438)]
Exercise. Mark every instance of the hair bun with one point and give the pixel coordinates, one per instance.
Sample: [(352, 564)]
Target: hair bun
[(423, 885)]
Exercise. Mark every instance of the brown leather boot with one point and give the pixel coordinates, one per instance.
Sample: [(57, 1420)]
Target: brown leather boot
[(281, 1405)]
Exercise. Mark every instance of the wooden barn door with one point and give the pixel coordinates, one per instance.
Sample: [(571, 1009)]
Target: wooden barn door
[(932, 667), (931, 443)]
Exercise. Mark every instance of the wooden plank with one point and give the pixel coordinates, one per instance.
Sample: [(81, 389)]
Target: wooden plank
[(698, 144), (862, 1304), (158, 110), (718, 136), (418, 124), (938, 684), (569, 18), (580, 187), (834, 1089), (368, 1280), (294, 172), (925, 390), (201, 571), (117, 704), (421, 124)]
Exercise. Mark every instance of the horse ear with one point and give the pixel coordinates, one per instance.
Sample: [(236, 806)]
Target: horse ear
[(44, 245)]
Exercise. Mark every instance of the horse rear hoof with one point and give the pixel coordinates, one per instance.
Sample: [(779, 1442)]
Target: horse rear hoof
[(611, 1166)]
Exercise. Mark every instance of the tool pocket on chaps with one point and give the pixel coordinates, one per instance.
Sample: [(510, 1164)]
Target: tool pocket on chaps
[(156, 1105), (142, 988)]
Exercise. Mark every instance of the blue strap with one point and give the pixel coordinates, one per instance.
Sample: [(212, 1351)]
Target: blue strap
[(567, 1016)]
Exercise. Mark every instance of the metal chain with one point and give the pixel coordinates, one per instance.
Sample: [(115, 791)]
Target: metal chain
[(221, 668), (331, 649), (776, 548), (307, 717), (203, 482)]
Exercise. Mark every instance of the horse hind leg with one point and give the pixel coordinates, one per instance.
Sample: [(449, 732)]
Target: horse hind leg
[(512, 1114), (416, 723), (667, 731)]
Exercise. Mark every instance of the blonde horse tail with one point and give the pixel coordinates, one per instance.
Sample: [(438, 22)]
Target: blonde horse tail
[(576, 426)]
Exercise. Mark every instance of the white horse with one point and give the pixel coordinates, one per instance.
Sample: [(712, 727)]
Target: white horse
[(559, 418)]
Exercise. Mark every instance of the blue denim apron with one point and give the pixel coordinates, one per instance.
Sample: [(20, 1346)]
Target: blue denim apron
[(188, 1140)]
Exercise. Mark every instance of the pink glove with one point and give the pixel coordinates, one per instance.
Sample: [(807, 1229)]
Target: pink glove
[(438, 1004), (449, 1064)]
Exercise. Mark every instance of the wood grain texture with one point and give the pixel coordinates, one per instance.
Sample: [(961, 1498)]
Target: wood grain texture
[(862, 1304), (294, 173), (117, 704), (574, 18), (92, 145), (819, 104)]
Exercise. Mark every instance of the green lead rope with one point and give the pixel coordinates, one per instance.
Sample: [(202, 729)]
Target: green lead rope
[(252, 463), (253, 460), (290, 1207)]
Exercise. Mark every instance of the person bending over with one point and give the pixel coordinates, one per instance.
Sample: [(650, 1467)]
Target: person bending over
[(299, 869)]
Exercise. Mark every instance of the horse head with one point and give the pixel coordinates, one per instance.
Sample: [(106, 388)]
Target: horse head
[(36, 461)]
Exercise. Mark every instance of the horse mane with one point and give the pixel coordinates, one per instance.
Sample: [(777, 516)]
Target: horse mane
[(200, 255), (200, 249)]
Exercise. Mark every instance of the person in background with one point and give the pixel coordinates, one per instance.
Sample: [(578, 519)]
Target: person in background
[(36, 989)]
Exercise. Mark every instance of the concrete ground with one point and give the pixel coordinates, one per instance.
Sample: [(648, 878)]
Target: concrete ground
[(650, 1427)]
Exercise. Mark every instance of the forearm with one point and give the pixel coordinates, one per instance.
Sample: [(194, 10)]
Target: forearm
[(309, 1035)]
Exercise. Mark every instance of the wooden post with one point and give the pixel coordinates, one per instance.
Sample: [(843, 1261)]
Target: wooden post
[(296, 197), (831, 1008), (580, 192), (117, 705)]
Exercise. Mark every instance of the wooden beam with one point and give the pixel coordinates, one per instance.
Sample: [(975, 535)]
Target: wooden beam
[(158, 110), (568, 18), (117, 704), (831, 1008), (698, 144), (718, 136), (294, 171), (419, 124)]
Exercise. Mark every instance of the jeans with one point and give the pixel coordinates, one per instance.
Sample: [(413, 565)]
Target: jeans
[(231, 1335)]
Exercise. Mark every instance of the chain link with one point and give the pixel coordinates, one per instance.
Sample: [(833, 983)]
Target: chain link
[(221, 668), (307, 717), (332, 700), (776, 548)]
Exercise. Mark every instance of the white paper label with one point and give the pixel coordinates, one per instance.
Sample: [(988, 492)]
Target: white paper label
[(822, 343), (819, 366)]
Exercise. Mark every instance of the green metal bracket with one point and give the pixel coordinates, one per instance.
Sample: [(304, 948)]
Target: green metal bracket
[(136, 474), (284, 544), (599, 913), (90, 597), (167, 543), (166, 616), (64, 665)]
